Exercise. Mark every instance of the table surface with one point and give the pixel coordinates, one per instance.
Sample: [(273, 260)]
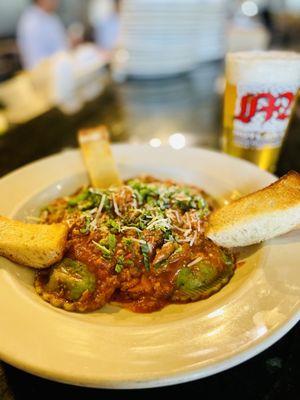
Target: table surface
[(136, 111)]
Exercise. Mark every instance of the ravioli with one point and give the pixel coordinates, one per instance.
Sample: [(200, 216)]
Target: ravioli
[(140, 245)]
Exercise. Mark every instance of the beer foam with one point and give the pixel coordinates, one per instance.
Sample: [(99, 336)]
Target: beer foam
[(263, 67)]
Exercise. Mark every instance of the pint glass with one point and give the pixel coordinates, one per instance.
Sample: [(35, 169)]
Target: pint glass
[(261, 88)]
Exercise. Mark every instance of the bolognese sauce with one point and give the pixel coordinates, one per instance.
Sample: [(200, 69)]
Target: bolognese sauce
[(141, 245)]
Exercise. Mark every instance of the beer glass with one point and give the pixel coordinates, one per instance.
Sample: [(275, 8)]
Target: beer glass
[(261, 88)]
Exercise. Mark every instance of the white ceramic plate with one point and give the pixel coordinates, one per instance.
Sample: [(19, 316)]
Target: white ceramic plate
[(115, 348)]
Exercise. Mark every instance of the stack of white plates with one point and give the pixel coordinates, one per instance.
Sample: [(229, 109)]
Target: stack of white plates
[(163, 37)]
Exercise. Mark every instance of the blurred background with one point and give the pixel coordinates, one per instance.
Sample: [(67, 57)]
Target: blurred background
[(152, 70)]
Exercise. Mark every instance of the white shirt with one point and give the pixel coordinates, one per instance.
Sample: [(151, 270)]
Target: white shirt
[(105, 21), (39, 35)]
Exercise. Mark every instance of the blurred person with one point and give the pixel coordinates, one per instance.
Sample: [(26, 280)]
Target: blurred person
[(104, 18), (40, 32)]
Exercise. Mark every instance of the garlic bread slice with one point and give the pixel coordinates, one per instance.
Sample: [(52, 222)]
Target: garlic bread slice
[(34, 245), (98, 157), (259, 216)]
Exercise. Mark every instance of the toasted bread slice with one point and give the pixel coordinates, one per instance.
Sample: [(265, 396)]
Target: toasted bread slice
[(98, 157), (258, 216), (33, 245)]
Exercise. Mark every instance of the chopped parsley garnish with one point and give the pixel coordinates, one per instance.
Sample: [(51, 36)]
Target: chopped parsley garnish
[(120, 260), (86, 228), (88, 199), (120, 264), (152, 206), (113, 226), (145, 252), (112, 242), (105, 252), (178, 250), (144, 192), (127, 242), (107, 245), (118, 268), (169, 236), (201, 202), (83, 195), (203, 212)]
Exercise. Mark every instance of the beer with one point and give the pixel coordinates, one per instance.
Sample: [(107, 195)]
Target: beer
[(261, 88)]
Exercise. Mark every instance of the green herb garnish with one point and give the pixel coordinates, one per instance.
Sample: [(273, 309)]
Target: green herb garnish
[(144, 192), (87, 204), (178, 250), (113, 226), (86, 228), (120, 264), (106, 252), (204, 212), (118, 268), (83, 195), (145, 252), (127, 242), (112, 242), (201, 202)]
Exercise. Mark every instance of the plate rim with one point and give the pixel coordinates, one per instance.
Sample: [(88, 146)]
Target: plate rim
[(178, 378)]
